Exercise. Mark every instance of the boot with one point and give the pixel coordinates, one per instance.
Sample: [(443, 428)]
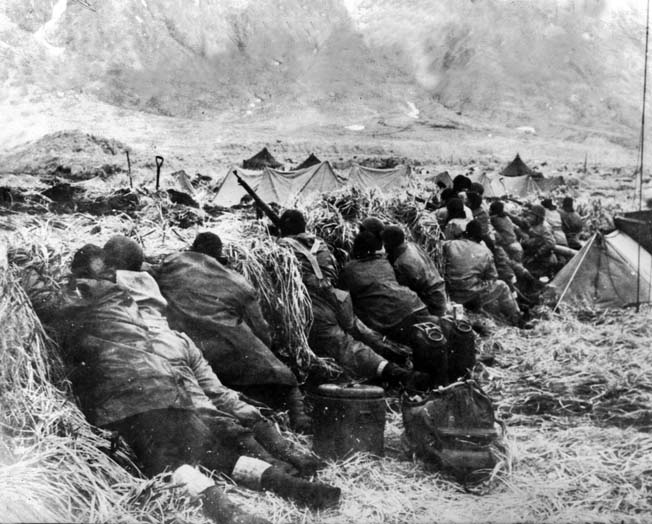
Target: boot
[(299, 421), (312, 494), (216, 504), (220, 509), (270, 438), (250, 447)]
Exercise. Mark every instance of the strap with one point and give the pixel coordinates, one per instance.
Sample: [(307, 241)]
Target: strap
[(308, 253)]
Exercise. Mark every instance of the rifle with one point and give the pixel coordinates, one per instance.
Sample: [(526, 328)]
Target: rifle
[(259, 202)]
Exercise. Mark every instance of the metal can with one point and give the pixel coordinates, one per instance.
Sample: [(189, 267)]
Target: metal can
[(458, 311)]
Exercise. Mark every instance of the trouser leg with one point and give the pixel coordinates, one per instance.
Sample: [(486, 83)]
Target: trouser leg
[(498, 300)]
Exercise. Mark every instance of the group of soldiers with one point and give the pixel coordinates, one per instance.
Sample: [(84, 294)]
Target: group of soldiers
[(178, 359), (492, 256)]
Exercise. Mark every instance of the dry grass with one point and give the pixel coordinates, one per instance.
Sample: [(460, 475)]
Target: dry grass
[(575, 394)]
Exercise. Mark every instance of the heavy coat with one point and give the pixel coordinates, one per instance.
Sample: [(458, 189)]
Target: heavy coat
[(415, 269), (124, 365), (219, 310), (378, 298)]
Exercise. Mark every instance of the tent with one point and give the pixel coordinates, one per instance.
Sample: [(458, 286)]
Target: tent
[(443, 179), (261, 160), (638, 225), (517, 168), (287, 187), (312, 160), (383, 179), (492, 186), (518, 186), (230, 193), (603, 273), (282, 187)]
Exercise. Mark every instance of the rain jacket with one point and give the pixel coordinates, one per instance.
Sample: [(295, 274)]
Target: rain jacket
[(505, 230), (219, 310), (378, 299), (469, 268), (126, 360), (555, 222), (414, 269), (572, 225)]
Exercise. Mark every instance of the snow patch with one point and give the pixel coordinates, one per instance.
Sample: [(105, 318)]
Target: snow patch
[(526, 130), (49, 27), (413, 112), (354, 127)]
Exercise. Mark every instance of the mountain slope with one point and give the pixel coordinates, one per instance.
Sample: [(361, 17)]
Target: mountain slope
[(542, 64)]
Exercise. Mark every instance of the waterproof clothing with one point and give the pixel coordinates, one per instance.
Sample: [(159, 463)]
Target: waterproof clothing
[(455, 228), (472, 279), (416, 270), (218, 309), (334, 324), (555, 222), (572, 226), (125, 364), (396, 311), (506, 237), (481, 215), (538, 254), (378, 299)]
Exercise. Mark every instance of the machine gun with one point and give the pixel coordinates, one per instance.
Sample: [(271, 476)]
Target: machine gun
[(258, 201)]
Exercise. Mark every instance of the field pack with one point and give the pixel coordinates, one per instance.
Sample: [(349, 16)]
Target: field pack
[(454, 430)]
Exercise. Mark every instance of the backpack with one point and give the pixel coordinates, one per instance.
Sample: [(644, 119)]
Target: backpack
[(454, 430)]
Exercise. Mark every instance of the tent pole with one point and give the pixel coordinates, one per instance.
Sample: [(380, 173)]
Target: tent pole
[(642, 148)]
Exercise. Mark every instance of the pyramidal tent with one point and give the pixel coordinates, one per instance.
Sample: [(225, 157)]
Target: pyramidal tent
[(384, 180), (261, 160), (517, 168), (603, 273), (312, 160)]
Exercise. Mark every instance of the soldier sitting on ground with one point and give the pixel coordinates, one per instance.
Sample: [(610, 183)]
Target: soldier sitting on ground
[(336, 332)]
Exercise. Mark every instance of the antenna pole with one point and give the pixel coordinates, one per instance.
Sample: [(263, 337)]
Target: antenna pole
[(642, 149)]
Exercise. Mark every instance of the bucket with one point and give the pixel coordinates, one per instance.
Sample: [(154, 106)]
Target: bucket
[(348, 418)]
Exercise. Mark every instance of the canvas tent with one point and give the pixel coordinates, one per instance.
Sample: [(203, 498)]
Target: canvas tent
[(638, 225), (230, 193), (312, 160), (517, 168), (603, 273), (492, 186), (282, 187), (261, 160), (287, 187), (442, 179), (519, 187), (384, 180)]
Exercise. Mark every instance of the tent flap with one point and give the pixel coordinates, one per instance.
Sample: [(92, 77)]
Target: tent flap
[(604, 273)]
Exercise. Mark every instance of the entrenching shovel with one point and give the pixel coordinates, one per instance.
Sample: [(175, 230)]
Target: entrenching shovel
[(159, 163)]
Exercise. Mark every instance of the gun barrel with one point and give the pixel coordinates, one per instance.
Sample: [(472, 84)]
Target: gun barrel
[(259, 202)]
